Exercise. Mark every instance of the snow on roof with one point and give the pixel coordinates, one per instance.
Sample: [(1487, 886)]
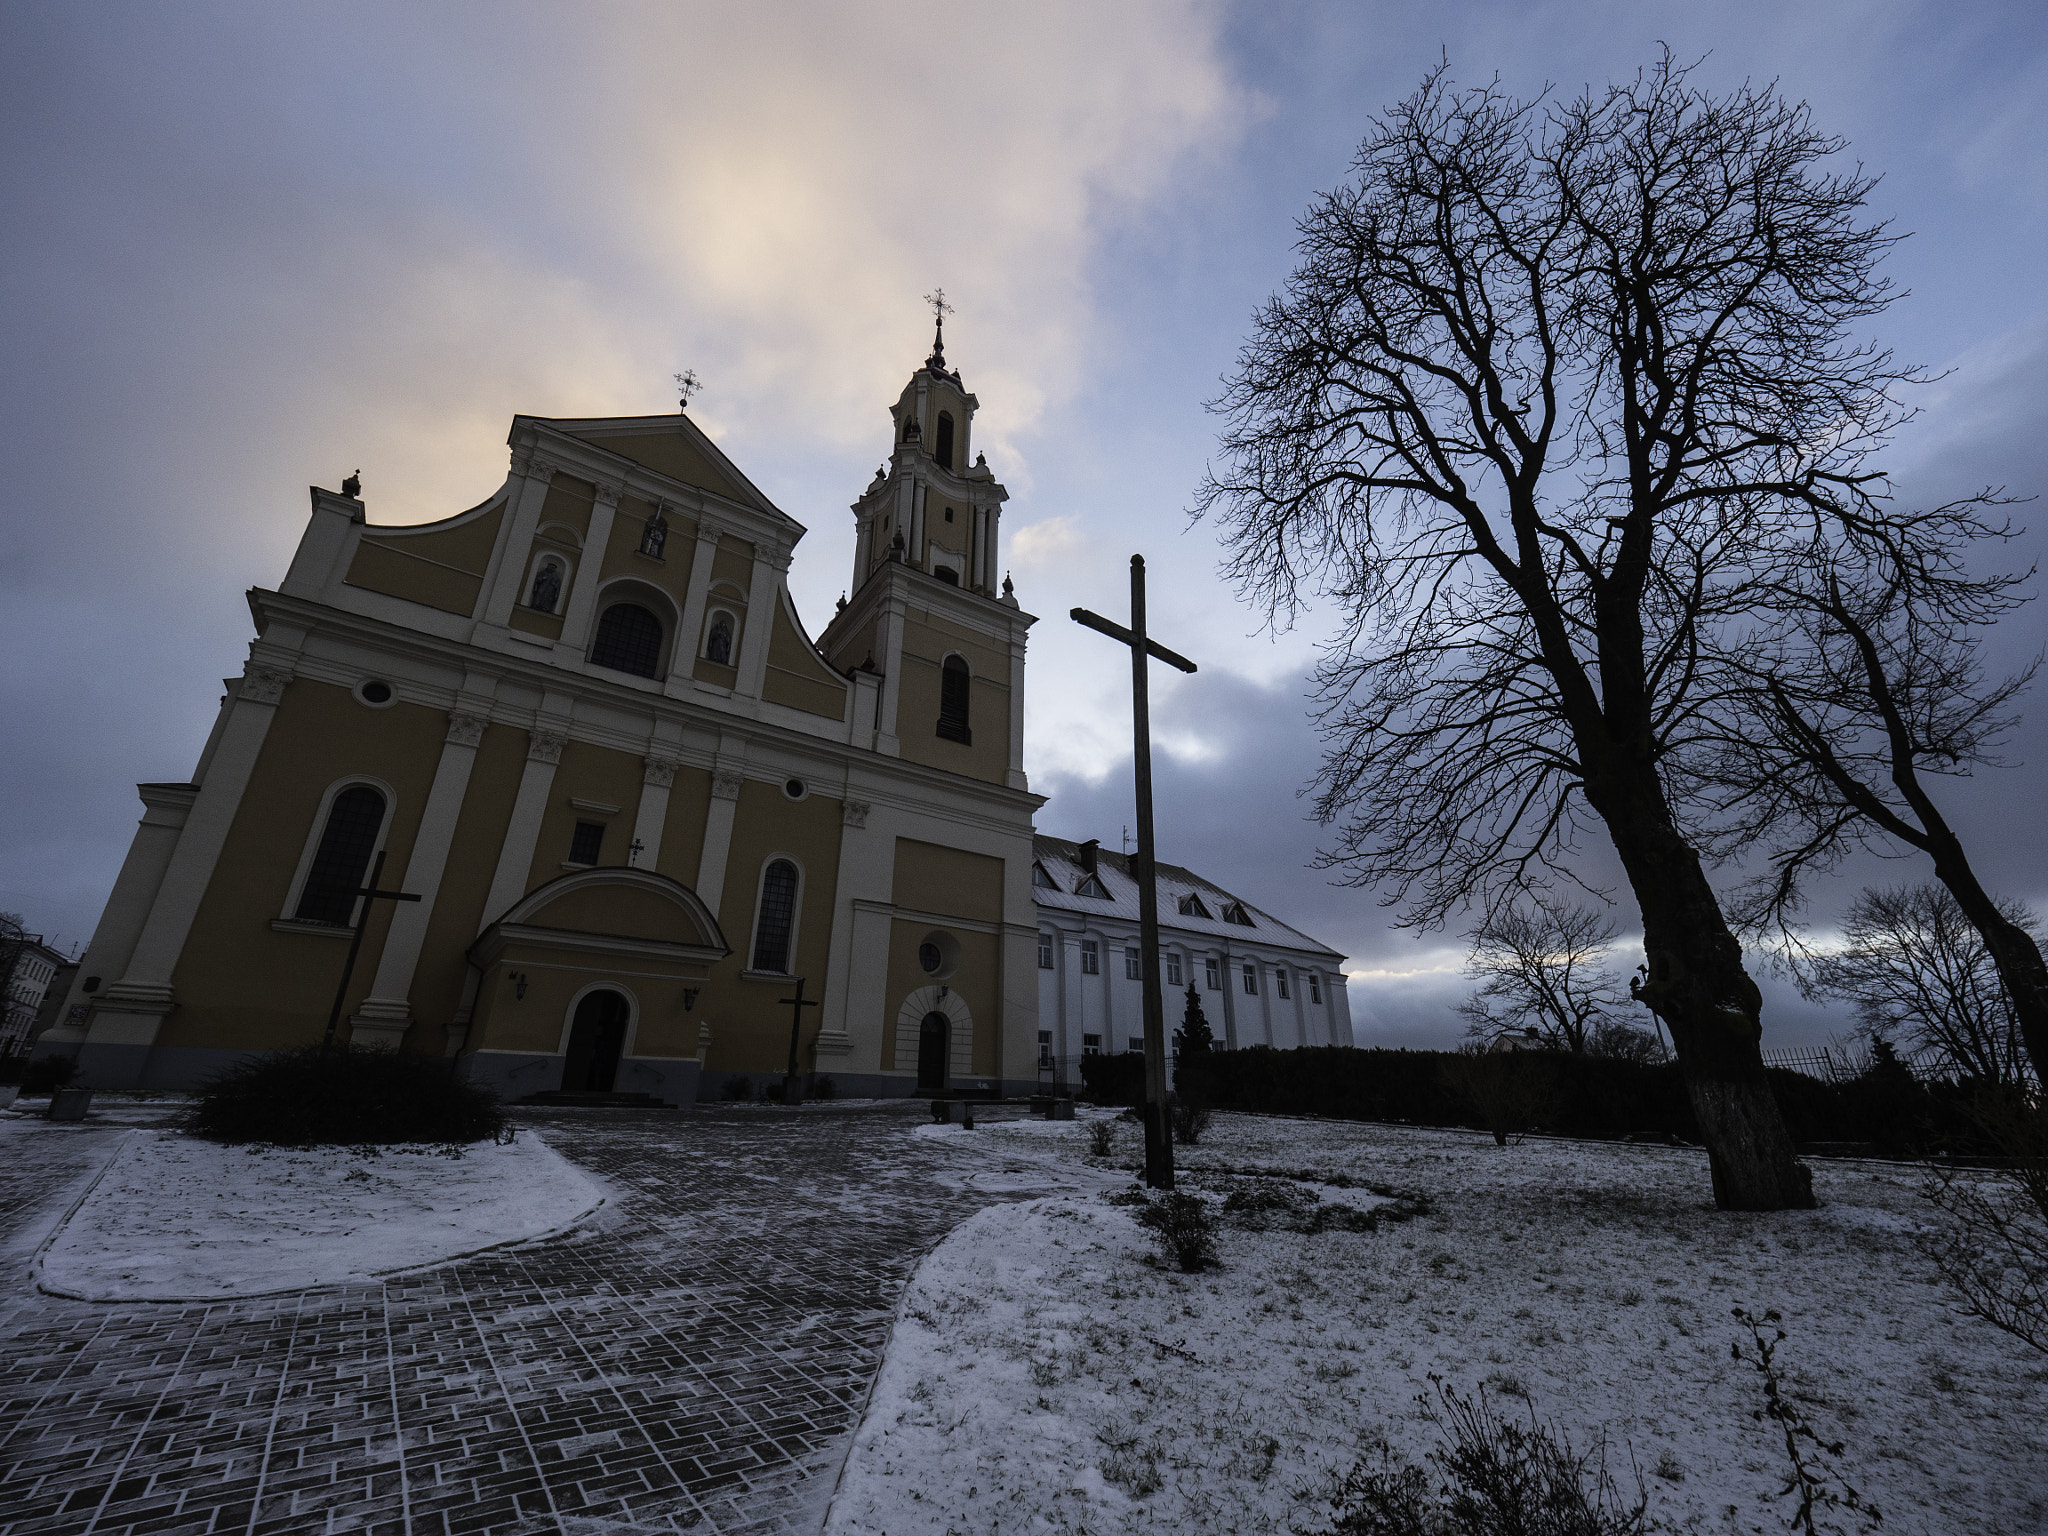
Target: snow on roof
[(1061, 860)]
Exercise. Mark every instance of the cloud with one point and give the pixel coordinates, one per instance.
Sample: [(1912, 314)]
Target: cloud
[(1043, 543)]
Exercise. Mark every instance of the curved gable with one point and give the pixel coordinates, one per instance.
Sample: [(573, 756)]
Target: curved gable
[(620, 903)]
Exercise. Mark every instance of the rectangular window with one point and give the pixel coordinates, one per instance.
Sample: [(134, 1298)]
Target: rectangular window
[(1315, 987), (1251, 979), (1133, 968), (1280, 981), (1136, 1047), (587, 842), (1045, 1037), (1045, 951), (1091, 958), (1212, 973), (1173, 970), (1091, 1045)]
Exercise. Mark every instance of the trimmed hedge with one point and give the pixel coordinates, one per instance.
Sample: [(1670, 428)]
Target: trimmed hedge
[(344, 1098), (1591, 1096)]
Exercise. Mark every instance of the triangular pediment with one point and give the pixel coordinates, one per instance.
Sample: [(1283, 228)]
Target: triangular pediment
[(673, 446)]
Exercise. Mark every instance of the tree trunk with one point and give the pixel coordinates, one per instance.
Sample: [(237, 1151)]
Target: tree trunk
[(1696, 984), (2014, 954)]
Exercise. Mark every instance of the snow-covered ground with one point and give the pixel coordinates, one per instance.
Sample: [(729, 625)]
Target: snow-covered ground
[(177, 1218), (1043, 1377)]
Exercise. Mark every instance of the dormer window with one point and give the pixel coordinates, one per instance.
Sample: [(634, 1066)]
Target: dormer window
[(1191, 906), (1041, 880), (654, 536), (1235, 913), (943, 449), (1092, 886)]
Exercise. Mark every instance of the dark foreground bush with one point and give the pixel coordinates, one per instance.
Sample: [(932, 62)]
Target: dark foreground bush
[(346, 1097), (42, 1076)]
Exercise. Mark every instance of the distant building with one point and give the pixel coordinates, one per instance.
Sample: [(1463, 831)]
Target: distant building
[(35, 964), (1261, 982)]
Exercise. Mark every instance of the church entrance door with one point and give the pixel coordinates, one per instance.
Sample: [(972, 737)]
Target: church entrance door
[(934, 1046), (595, 1040)]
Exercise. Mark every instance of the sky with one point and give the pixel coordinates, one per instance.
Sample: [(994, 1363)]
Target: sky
[(253, 247)]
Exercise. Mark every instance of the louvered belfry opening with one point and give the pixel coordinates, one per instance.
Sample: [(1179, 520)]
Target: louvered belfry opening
[(956, 687)]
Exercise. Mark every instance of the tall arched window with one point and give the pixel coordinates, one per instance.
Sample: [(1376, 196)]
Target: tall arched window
[(777, 919), (956, 684), (628, 640), (943, 449), (718, 641), (547, 586), (343, 858)]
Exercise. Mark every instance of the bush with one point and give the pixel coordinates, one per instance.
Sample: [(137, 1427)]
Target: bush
[(344, 1097), (1188, 1113), (1185, 1227), (1101, 1138), (45, 1075)]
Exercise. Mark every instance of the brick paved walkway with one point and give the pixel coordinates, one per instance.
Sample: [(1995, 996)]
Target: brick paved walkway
[(694, 1361)]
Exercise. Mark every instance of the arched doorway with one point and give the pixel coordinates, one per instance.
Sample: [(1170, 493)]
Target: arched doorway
[(934, 1051), (595, 1040)]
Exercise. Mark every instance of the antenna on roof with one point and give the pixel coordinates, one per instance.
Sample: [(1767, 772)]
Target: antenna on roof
[(1127, 841)]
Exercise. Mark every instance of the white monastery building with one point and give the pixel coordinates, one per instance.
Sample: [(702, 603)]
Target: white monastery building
[(1261, 982)]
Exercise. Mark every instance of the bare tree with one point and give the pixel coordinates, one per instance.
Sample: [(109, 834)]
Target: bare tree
[(1912, 964), (1543, 973), (1551, 388), (1869, 683)]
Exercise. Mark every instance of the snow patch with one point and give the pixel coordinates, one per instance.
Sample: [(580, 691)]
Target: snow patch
[(175, 1218)]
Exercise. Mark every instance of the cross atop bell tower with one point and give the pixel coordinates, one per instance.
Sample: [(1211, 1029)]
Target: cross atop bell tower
[(940, 309)]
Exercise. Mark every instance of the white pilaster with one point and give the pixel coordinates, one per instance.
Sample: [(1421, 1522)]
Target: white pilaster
[(887, 741), (691, 640), (508, 560), (576, 618), (515, 859), (1014, 776), (762, 602), (385, 1014), (657, 775), (863, 872), (725, 795)]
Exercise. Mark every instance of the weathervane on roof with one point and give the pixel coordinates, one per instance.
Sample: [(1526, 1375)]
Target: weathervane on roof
[(940, 309), (687, 384)]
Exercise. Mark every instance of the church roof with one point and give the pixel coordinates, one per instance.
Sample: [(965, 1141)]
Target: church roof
[(1061, 860)]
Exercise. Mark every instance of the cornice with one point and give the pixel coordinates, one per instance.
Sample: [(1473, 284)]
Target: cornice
[(588, 461), (465, 663)]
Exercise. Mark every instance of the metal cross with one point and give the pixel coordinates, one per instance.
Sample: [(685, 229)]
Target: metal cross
[(687, 384), (940, 308), (634, 851), (796, 1006), (1158, 1141), (368, 893)]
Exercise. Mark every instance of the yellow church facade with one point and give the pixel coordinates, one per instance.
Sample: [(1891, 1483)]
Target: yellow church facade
[(583, 723)]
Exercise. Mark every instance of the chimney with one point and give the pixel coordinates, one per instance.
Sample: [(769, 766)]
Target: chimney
[(1087, 854)]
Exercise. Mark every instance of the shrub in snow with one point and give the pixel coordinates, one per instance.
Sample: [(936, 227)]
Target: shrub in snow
[(1509, 1090), (344, 1097), (1993, 1245), (1803, 1448), (1497, 1477), (44, 1075), (1188, 1113), (1185, 1228), (1101, 1138)]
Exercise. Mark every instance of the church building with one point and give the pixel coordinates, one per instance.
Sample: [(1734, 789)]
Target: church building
[(640, 807)]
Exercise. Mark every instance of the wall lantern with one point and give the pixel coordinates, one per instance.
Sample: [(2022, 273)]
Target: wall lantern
[(518, 986)]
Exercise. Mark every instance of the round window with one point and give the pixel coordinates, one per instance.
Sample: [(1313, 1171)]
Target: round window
[(930, 957), (796, 789), (375, 693), (938, 955)]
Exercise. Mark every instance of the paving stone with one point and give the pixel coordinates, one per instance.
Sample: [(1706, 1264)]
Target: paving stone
[(694, 1361)]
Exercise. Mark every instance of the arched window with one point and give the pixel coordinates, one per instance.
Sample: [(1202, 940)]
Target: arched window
[(628, 640), (777, 919), (718, 640), (956, 684), (343, 858), (943, 449), (547, 586)]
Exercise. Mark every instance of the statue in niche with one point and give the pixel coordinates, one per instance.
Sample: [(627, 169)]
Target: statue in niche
[(547, 587), (719, 647)]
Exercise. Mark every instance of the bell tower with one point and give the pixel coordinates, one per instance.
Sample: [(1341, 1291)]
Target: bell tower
[(933, 637), (935, 505)]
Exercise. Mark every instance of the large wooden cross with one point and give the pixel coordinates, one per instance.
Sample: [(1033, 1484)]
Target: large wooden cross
[(368, 893), (791, 1094), (1158, 1137)]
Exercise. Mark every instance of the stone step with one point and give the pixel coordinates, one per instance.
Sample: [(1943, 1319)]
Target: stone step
[(560, 1097)]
